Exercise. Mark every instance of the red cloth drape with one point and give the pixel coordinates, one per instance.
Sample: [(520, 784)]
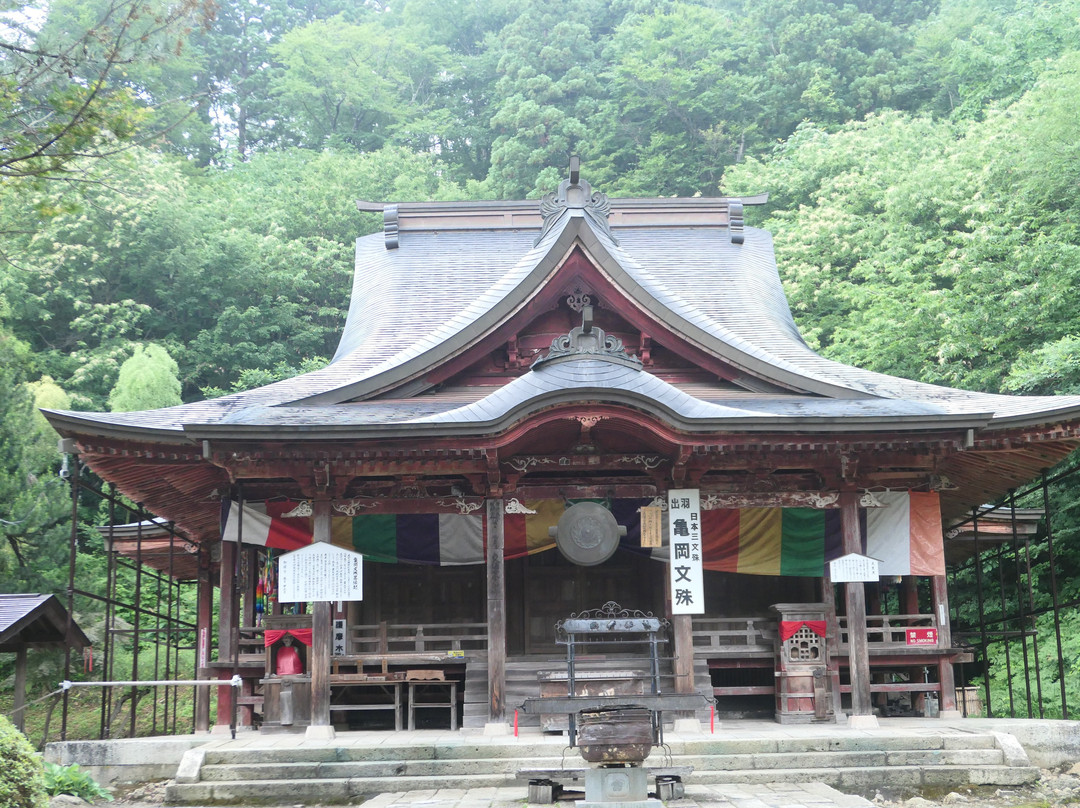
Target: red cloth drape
[(789, 627), (274, 634)]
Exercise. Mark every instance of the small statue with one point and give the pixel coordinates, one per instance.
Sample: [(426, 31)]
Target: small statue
[(288, 659)]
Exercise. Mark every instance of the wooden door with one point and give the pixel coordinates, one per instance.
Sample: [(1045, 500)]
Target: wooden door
[(553, 588)]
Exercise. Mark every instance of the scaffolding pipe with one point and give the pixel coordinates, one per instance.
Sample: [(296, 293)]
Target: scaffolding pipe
[(1034, 626), (1005, 628), (1054, 593), (235, 681), (982, 612), (1020, 609), (73, 538), (138, 603)]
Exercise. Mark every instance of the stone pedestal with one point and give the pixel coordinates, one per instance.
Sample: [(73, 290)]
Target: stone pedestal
[(617, 787)]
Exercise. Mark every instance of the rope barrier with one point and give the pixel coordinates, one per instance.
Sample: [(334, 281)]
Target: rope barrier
[(35, 701)]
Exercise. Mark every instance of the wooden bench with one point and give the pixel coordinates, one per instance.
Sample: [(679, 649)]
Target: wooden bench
[(428, 685)]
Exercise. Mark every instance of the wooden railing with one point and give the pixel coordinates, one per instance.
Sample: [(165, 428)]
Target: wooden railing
[(413, 638), (890, 630), (734, 636)]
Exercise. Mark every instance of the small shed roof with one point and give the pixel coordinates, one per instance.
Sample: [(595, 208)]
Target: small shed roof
[(36, 621)]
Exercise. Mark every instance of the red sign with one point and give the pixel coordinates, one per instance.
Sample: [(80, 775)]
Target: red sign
[(922, 636)]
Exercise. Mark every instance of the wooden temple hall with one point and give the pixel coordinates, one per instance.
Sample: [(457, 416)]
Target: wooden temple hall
[(577, 407)]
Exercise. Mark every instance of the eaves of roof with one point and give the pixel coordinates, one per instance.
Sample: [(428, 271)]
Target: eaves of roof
[(593, 380)]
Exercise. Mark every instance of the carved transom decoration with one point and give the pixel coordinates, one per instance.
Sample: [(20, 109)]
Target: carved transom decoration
[(578, 299), (587, 340)]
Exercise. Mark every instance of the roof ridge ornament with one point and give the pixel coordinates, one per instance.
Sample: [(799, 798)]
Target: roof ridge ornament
[(588, 340), (576, 194)]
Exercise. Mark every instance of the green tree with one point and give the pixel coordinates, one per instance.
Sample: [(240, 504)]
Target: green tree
[(351, 85), (547, 89), (148, 380), (973, 54), (932, 251), (33, 499), (694, 87), (63, 90)]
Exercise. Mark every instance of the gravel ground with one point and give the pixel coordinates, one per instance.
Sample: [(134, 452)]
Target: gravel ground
[(1052, 789)]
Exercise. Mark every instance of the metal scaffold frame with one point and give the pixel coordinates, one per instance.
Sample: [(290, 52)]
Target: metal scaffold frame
[(1007, 620)]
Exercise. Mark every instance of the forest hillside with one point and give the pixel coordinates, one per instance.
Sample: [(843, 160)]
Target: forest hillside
[(177, 182)]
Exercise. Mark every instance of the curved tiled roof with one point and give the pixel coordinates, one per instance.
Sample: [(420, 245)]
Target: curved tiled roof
[(441, 290)]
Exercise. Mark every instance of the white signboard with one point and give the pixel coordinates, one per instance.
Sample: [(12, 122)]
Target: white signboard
[(338, 641), (684, 535), (854, 567), (320, 571)]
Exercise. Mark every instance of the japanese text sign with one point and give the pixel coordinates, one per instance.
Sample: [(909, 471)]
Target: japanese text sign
[(854, 567), (684, 535), (320, 571), (922, 636), (652, 526)]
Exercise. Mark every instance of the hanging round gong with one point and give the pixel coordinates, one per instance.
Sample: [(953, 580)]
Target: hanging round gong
[(587, 534)]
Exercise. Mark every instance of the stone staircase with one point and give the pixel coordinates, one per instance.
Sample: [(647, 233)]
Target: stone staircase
[(263, 771)]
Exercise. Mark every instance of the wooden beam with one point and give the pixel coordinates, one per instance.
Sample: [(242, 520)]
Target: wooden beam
[(321, 629), (496, 611), (939, 594), (855, 601), (204, 616), (18, 714), (228, 619)]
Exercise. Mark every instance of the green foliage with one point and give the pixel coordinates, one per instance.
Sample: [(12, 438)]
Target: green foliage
[(147, 381), (22, 779), (949, 273), (348, 85), (65, 92), (235, 269), (33, 500), (973, 54), (75, 781)]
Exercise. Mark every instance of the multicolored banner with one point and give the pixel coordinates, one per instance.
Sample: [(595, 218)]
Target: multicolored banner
[(905, 534)]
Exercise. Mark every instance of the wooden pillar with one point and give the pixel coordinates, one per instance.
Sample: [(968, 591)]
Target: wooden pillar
[(204, 616), (321, 637), (228, 619), (855, 603), (939, 593), (496, 612), (832, 637), (909, 597), (249, 578), (683, 666), (18, 714)]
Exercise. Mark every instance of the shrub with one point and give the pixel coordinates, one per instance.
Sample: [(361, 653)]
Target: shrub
[(74, 781), (22, 776)]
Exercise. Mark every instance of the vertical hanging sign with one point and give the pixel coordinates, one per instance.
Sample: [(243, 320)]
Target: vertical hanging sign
[(652, 525), (684, 535)]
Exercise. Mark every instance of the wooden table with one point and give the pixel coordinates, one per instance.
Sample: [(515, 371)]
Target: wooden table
[(389, 687), (432, 684)]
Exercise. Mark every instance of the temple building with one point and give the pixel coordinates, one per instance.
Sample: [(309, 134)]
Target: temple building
[(504, 364)]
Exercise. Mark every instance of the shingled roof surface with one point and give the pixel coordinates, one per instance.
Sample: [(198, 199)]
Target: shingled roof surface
[(440, 291), (35, 620)]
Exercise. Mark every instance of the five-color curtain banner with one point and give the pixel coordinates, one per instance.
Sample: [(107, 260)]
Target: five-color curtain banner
[(904, 534)]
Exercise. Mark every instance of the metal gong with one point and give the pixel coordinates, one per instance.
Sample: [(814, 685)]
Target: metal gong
[(587, 534)]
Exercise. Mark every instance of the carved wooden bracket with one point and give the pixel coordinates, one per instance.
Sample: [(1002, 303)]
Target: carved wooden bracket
[(494, 473), (679, 467)]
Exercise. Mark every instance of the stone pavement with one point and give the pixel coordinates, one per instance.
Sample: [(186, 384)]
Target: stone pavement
[(774, 795)]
